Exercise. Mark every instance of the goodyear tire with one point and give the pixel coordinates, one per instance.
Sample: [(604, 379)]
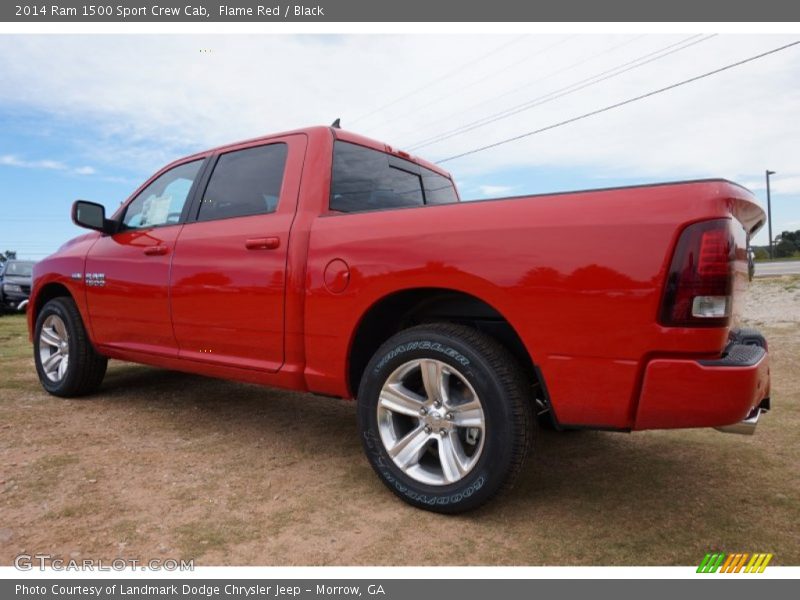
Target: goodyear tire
[(445, 417), (66, 361)]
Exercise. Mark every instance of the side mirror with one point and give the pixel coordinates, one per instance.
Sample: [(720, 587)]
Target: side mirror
[(91, 216)]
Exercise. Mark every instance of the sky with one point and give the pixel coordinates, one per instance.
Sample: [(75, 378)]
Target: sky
[(92, 116)]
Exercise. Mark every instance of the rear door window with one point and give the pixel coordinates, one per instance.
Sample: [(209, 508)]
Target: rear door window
[(245, 182)]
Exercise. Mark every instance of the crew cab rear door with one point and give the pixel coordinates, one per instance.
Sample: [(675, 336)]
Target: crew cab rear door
[(228, 276)]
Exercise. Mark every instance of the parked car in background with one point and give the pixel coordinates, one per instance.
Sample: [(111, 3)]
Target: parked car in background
[(320, 260), (15, 284)]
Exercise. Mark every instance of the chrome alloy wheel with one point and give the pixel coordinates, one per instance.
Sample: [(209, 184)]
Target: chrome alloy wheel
[(431, 422), (54, 348)]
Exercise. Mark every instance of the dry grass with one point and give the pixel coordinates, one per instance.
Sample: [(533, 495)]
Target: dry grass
[(162, 464)]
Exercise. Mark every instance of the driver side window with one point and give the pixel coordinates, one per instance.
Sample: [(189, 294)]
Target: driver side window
[(162, 202)]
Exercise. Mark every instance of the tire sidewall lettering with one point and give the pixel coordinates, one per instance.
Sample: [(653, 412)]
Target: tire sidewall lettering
[(372, 442), (422, 345)]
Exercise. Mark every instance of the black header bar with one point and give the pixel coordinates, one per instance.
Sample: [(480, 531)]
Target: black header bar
[(337, 11)]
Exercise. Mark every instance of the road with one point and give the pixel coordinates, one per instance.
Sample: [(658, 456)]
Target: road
[(767, 269)]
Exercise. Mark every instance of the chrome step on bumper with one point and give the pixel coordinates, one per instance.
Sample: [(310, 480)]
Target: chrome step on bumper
[(743, 340)]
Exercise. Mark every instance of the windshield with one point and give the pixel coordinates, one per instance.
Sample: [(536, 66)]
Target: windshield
[(22, 269)]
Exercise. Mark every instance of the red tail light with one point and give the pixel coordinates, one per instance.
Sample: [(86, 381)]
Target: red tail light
[(700, 278)]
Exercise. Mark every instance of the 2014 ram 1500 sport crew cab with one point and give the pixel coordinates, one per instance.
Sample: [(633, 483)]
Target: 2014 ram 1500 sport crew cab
[(323, 261)]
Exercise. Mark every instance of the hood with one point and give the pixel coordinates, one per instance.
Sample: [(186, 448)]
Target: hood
[(17, 279)]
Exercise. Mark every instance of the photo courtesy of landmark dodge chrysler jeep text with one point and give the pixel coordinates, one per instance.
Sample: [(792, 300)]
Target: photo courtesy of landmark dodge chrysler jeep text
[(322, 261)]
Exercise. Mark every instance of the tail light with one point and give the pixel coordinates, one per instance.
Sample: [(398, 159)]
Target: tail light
[(700, 278)]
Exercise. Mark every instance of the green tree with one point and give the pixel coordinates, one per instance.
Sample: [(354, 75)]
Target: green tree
[(792, 236), (785, 248), (760, 252)]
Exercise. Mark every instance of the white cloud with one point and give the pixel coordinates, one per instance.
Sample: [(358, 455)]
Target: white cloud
[(155, 96), (495, 190), (47, 164), (777, 183), (10, 160), (144, 100)]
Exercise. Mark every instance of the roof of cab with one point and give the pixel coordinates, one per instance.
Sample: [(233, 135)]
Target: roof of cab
[(339, 134), (355, 138)]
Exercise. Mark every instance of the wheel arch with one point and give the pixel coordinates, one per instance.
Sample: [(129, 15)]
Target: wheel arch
[(405, 308), (54, 288), (49, 291)]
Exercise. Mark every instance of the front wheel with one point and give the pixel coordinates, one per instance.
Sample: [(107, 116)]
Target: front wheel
[(66, 361), (445, 417)]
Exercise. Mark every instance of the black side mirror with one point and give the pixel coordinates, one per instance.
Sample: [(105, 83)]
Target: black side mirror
[(91, 216)]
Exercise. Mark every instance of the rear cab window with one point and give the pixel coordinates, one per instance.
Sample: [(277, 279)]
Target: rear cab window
[(366, 180)]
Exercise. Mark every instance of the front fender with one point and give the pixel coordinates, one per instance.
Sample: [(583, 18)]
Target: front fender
[(61, 272)]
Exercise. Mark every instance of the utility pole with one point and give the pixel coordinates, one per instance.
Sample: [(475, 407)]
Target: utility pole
[(769, 214)]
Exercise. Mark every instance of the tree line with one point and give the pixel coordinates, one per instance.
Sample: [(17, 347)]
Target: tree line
[(785, 245)]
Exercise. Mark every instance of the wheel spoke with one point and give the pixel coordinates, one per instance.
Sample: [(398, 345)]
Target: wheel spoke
[(52, 362), (435, 379), (62, 366), (61, 329), (469, 414), (49, 337), (397, 398), (408, 450), (452, 457)]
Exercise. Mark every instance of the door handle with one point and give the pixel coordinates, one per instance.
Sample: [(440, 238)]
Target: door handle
[(265, 243), (156, 250)]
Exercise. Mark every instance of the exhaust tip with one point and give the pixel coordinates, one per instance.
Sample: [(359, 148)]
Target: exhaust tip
[(744, 427)]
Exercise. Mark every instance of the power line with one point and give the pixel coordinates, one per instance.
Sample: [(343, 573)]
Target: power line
[(566, 90), (559, 71), (525, 58), (439, 79), (570, 89), (620, 104)]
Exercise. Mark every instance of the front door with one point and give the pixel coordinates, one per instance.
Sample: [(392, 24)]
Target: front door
[(127, 274), (229, 266)]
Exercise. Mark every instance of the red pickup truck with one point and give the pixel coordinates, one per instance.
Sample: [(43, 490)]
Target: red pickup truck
[(323, 261)]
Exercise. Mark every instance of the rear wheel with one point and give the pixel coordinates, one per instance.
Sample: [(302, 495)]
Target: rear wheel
[(445, 417), (66, 361)]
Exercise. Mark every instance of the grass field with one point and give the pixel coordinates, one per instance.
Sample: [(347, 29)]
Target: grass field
[(167, 465)]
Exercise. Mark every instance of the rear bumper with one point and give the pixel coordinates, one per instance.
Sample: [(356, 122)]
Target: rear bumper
[(729, 393)]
